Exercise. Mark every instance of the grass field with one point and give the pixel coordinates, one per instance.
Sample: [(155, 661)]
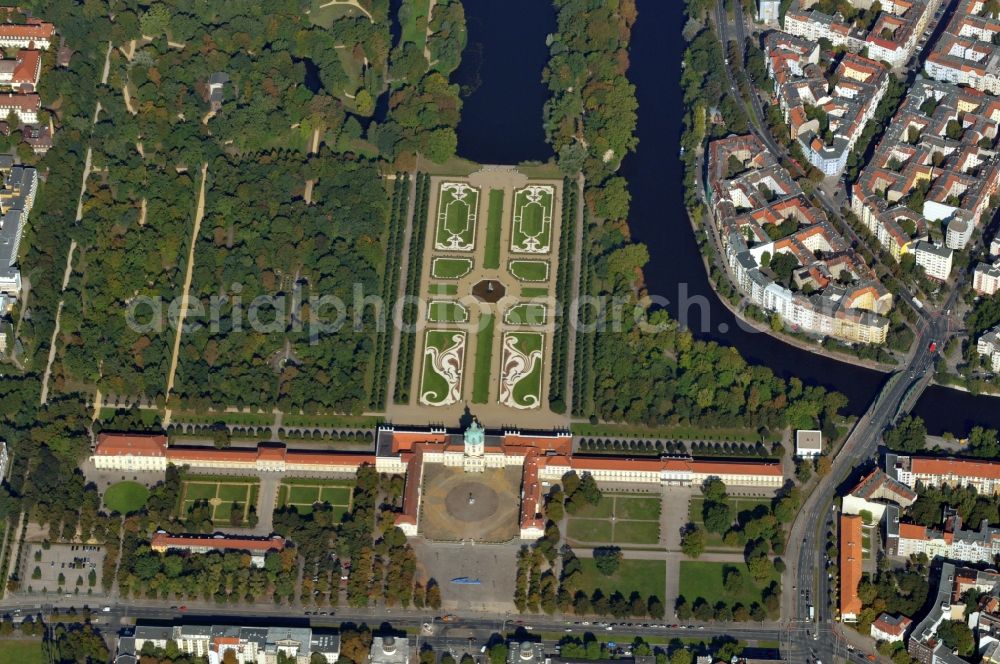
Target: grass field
[(126, 497), (303, 494), (220, 493), (521, 369), (443, 363), (414, 23), (444, 311), (707, 580), (742, 509), (458, 207), (21, 651), (450, 268), (484, 358), (534, 291), (529, 270), (526, 313), (619, 518), (443, 289), (647, 577), (493, 226), (532, 228)]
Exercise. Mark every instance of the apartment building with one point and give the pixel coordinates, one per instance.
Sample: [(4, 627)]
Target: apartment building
[(21, 72), (951, 541), (892, 38), (768, 11), (935, 259), (986, 278), (982, 475), (923, 644), (995, 246), (846, 100), (249, 645), (966, 53), (761, 213), (935, 168), (988, 346), (16, 199)]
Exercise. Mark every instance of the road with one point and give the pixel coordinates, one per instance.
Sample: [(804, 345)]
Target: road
[(466, 634)]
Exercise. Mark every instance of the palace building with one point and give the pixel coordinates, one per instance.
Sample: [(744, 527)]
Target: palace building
[(542, 458)]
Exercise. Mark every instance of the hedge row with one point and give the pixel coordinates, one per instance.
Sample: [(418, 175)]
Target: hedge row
[(390, 283), (407, 339), (584, 354), (560, 343)]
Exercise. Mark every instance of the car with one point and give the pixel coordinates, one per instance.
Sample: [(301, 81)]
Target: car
[(609, 628), (182, 608)]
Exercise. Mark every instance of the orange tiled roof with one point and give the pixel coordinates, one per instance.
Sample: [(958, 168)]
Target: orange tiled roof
[(162, 541), (850, 563), (135, 444), (961, 467)]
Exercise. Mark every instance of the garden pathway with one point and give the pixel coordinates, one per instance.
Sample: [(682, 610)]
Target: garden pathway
[(199, 213)]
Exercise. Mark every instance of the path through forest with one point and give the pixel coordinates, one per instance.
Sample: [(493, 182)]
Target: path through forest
[(199, 213)]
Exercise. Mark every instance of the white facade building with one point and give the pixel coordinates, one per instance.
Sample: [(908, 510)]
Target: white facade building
[(935, 260), (808, 443), (989, 347), (986, 278)]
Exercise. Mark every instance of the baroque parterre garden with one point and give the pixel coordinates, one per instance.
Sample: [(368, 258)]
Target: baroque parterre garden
[(489, 267)]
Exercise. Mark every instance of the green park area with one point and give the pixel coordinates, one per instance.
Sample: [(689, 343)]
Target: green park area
[(443, 289), (534, 291), (457, 210), (620, 519), (22, 651), (742, 510), (529, 270), (484, 358), (708, 581), (221, 494), (303, 494), (647, 577), (532, 230), (126, 497), (450, 268), (493, 227)]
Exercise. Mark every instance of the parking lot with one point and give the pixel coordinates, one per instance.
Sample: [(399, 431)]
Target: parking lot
[(67, 569)]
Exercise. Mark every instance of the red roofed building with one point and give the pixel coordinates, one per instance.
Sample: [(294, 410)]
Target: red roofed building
[(984, 476), (24, 106), (850, 566), (130, 451), (890, 628), (33, 33), (23, 71), (258, 548)]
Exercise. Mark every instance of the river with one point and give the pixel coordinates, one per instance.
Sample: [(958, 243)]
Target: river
[(501, 123)]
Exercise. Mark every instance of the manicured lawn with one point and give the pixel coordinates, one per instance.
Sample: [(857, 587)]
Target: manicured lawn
[(647, 509), (458, 206), (443, 365), (125, 497), (443, 289), (647, 577), (529, 270), (484, 357), (523, 353), (526, 313), (701, 579), (637, 532), (493, 224), (199, 491), (441, 311), (303, 493), (590, 530), (742, 509), (450, 268), (21, 651), (532, 228), (228, 492), (602, 510), (534, 291)]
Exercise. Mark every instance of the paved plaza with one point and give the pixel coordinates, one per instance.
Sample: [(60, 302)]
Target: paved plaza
[(457, 505)]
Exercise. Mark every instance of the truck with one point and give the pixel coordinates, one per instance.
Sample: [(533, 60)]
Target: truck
[(918, 304), (812, 612)]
